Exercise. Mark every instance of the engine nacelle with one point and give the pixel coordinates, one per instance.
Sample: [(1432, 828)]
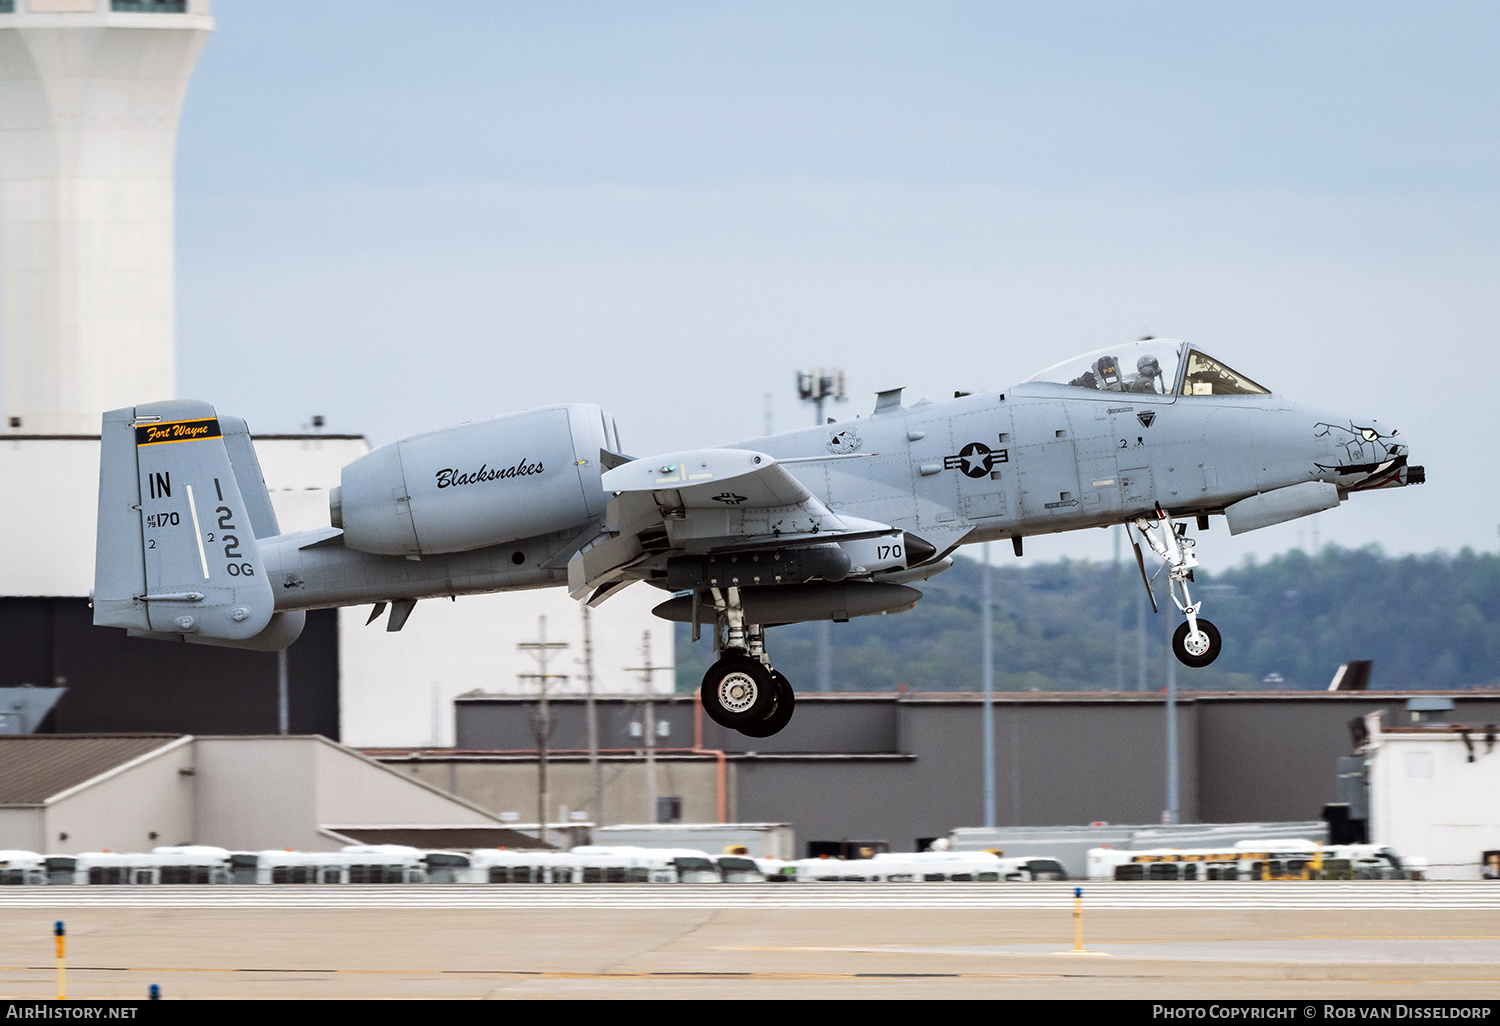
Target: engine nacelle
[(476, 485)]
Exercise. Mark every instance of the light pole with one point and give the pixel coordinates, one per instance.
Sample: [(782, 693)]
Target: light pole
[(591, 712), (1114, 612), (988, 648), (816, 386), (649, 719), (542, 651), (1140, 639), (1170, 814), (283, 694)]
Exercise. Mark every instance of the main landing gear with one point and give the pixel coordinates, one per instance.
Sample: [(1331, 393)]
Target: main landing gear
[(740, 690), (1196, 642)]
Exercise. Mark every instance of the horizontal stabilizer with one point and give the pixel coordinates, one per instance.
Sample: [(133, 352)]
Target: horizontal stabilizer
[(285, 627)]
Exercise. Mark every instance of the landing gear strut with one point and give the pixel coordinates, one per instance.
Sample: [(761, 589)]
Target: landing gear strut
[(1196, 642), (741, 690)]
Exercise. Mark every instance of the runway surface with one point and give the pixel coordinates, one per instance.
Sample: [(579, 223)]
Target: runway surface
[(1103, 895), (1296, 940)]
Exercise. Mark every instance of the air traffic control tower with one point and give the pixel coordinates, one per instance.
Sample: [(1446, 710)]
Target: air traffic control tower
[(90, 94)]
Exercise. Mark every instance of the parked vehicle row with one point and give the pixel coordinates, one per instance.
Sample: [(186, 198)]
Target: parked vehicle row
[(1287, 859), (397, 864)]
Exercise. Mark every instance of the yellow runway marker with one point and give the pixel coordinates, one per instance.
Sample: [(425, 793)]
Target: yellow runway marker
[(62, 947), (1078, 948)]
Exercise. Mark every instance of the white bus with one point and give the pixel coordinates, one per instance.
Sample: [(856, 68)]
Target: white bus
[(627, 864), (274, 866), (22, 867), (109, 867), (183, 864), (351, 864), (191, 864), (383, 864), (929, 867), (594, 864)]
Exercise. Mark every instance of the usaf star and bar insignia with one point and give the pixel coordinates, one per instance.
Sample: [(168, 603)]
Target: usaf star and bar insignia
[(976, 459)]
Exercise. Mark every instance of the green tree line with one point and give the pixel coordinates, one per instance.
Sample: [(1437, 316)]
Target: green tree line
[(1427, 621)]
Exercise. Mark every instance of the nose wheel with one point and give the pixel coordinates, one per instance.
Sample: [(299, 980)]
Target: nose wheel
[(1196, 648)]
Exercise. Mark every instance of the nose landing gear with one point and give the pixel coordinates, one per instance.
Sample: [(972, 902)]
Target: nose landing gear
[(1196, 642), (741, 691)]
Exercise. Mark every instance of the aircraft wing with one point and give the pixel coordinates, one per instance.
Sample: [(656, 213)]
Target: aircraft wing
[(698, 502)]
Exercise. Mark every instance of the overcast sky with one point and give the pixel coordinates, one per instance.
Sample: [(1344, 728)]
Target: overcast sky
[(403, 216)]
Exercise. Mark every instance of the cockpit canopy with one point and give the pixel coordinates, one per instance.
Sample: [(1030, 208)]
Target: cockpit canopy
[(1152, 367)]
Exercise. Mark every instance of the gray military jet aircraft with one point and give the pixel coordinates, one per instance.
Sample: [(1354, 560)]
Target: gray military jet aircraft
[(825, 523)]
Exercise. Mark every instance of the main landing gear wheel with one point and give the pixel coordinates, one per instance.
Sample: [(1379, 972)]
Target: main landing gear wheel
[(780, 714), (1198, 649), (738, 691)]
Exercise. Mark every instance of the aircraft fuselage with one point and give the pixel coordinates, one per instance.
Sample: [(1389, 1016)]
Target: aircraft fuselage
[(1036, 459)]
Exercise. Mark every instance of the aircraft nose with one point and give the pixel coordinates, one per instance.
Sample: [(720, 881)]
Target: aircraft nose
[(1389, 452), (1397, 448)]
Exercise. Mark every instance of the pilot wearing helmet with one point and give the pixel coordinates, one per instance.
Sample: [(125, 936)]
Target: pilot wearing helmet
[(1150, 374)]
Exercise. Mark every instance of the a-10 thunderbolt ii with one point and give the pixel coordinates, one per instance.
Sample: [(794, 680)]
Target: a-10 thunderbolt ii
[(826, 523)]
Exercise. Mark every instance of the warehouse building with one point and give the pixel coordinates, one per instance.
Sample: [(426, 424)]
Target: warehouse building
[(65, 794), (895, 771)]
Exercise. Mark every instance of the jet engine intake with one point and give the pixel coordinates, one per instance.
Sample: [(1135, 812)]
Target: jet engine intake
[(476, 485)]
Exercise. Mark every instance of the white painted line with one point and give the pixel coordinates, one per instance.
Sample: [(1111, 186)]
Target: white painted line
[(197, 532)]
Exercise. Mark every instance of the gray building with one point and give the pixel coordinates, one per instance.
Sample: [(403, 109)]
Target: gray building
[(69, 793), (896, 770)]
